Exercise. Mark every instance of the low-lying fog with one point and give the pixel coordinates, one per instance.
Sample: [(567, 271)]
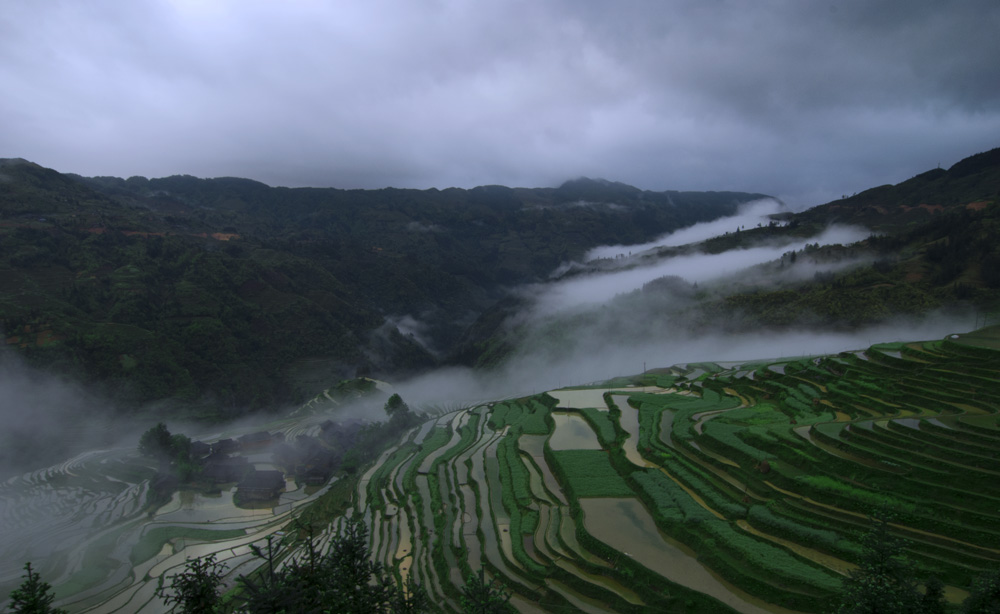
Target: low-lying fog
[(594, 358), (592, 334), (749, 215), (596, 288), (596, 327), (47, 418)]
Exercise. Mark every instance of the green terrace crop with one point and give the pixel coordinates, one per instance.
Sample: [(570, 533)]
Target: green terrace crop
[(699, 488), (766, 472)]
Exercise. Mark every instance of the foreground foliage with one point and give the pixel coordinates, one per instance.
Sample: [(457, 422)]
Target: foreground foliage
[(33, 596), (482, 597), (196, 589), (984, 596), (884, 582), (342, 578)]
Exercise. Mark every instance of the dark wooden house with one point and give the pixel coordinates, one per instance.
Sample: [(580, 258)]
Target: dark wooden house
[(260, 486), (225, 446), (257, 441), (200, 449), (220, 467)]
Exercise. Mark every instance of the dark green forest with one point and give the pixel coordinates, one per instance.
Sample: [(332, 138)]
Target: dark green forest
[(932, 249), (226, 294)]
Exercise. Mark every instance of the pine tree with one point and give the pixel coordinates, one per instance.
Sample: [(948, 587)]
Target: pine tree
[(478, 597), (395, 406), (984, 596), (33, 596), (344, 579), (883, 583), (932, 601), (156, 442), (196, 589)]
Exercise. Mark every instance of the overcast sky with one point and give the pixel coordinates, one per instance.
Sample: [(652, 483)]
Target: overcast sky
[(803, 100)]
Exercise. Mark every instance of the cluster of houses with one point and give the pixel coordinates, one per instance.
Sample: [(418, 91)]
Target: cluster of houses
[(312, 460), (225, 461)]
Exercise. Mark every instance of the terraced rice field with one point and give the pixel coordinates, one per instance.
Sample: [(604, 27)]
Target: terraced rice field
[(744, 485), (85, 526), (695, 488)]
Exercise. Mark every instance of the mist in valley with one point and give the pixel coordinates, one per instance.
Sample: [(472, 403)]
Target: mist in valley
[(47, 418), (701, 268), (589, 326), (749, 215), (583, 327), (576, 328)]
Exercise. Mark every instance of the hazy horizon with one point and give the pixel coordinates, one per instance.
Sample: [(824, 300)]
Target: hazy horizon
[(801, 101)]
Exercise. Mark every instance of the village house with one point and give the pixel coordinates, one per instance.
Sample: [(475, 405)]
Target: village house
[(225, 446), (200, 449), (257, 441), (220, 467), (260, 486)]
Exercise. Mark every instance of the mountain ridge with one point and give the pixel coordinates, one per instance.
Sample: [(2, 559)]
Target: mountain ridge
[(230, 293), (122, 281)]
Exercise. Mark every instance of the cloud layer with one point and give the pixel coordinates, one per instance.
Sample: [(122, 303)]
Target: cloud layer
[(591, 289), (750, 215), (804, 101)]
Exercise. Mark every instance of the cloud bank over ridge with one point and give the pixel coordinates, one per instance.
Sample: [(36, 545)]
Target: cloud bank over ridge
[(804, 101)]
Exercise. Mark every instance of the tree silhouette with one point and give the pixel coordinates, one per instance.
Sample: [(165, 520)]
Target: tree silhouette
[(343, 579), (396, 406), (156, 442), (883, 583), (984, 596), (196, 589), (480, 597), (33, 596), (932, 601)]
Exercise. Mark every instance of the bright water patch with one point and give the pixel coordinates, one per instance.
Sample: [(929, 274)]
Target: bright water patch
[(572, 433)]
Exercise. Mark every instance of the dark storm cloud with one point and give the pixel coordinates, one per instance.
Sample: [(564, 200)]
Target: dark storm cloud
[(803, 100)]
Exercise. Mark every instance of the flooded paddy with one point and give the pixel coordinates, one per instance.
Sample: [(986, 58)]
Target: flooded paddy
[(455, 423), (567, 534), (581, 602), (640, 539), (534, 446), (552, 533), (594, 397), (86, 524), (630, 423), (471, 520), (600, 580), (578, 399), (189, 506), (572, 432)]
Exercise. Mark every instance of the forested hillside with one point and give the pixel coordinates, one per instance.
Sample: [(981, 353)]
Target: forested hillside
[(932, 249), (968, 183), (235, 294)]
